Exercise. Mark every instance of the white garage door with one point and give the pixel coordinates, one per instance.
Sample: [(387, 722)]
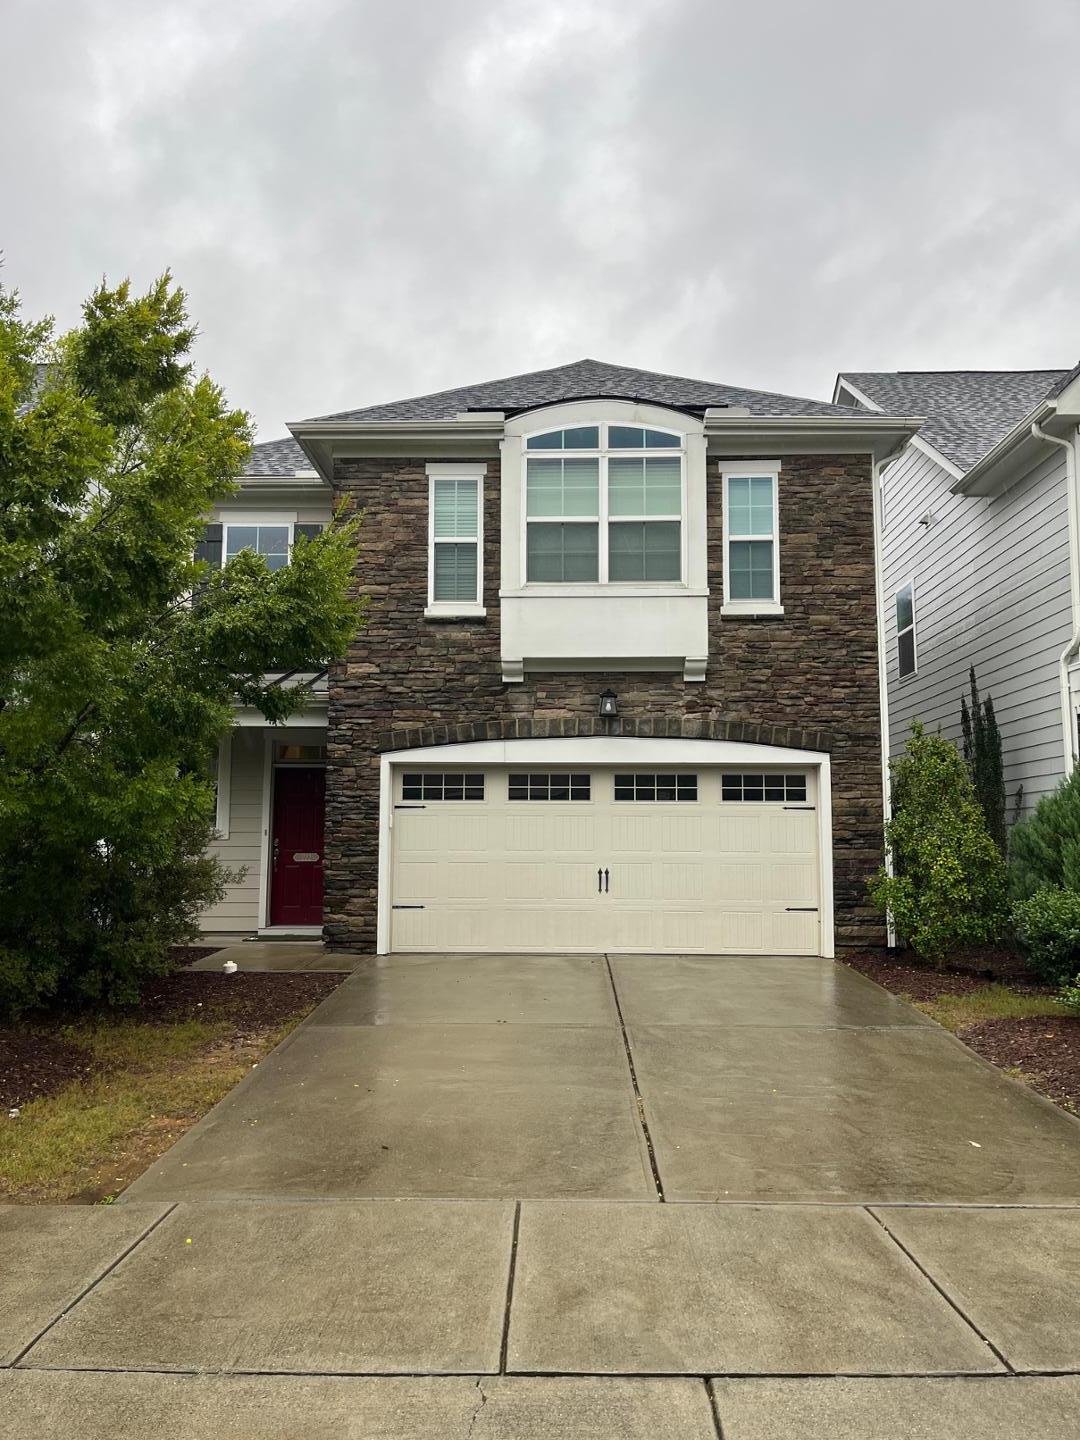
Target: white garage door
[(707, 860)]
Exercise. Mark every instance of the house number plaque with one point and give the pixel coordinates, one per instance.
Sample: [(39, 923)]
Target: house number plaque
[(305, 857)]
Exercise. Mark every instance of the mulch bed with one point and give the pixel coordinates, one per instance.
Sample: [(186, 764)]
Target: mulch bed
[(35, 1061), (1045, 1047), (32, 1064), (188, 954), (902, 974)]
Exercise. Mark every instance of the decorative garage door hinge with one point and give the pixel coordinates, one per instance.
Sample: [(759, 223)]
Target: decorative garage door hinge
[(800, 807), (410, 807), (807, 909), (406, 907)]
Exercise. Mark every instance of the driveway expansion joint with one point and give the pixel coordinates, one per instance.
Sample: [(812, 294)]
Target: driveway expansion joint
[(504, 1346), (639, 1103), (16, 1362), (942, 1291)]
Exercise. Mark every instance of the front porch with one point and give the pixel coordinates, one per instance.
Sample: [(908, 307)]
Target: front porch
[(270, 818)]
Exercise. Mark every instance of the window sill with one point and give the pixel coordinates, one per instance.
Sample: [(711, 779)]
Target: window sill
[(455, 612), (572, 591), (751, 610)]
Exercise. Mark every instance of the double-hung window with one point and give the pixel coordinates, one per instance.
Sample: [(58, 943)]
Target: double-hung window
[(455, 536), (905, 631), (604, 505), (751, 539)]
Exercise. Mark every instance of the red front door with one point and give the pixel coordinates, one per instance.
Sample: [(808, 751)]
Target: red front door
[(296, 864)]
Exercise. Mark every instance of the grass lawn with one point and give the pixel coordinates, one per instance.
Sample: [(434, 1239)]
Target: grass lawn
[(991, 1002), (143, 1080)]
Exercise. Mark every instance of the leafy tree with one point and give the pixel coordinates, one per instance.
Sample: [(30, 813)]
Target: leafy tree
[(948, 888), (982, 755), (1044, 850), (114, 686)]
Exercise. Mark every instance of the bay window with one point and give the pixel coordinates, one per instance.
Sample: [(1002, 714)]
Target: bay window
[(608, 509)]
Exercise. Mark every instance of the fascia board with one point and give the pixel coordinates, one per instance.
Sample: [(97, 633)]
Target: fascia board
[(993, 472), (878, 435)]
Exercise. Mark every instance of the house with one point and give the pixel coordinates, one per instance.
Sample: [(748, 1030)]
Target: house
[(619, 688), (981, 559)]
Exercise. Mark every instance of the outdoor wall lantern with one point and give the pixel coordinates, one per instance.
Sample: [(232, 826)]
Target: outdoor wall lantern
[(609, 705)]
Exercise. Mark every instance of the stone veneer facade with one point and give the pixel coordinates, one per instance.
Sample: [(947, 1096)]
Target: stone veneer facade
[(808, 679)]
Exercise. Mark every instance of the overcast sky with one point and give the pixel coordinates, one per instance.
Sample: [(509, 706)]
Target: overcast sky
[(367, 200)]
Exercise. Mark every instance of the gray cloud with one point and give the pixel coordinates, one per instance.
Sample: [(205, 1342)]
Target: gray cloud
[(367, 200)]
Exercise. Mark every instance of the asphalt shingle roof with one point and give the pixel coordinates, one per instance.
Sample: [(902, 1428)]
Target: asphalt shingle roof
[(277, 457), (585, 379), (967, 411)]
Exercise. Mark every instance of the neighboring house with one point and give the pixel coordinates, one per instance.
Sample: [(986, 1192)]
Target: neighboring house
[(982, 560), (619, 686)]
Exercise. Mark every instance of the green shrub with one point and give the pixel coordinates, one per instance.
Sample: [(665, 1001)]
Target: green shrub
[(1048, 927), (1044, 850), (982, 756), (949, 885), (1070, 996)]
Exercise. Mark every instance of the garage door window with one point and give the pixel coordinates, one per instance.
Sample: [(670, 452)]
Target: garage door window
[(761, 788), (549, 786), (437, 786), (651, 786)]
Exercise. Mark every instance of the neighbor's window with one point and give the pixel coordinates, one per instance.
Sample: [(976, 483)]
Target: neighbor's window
[(905, 630), (606, 509), (274, 541), (762, 788), (655, 787), (437, 786), (454, 569), (751, 549)]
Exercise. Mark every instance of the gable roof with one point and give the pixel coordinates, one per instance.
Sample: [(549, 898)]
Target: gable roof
[(586, 380), (967, 411)]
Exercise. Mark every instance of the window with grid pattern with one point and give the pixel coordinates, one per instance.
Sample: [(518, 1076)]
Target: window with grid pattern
[(557, 785), (762, 788), (596, 514), (750, 539), (437, 785), (656, 786)]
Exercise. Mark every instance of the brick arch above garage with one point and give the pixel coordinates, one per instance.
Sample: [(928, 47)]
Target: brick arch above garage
[(667, 727)]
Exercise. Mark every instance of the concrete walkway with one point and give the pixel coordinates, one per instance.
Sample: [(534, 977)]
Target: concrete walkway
[(497, 1196)]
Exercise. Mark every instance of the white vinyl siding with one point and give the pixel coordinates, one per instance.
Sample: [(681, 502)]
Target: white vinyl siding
[(239, 910), (991, 579)]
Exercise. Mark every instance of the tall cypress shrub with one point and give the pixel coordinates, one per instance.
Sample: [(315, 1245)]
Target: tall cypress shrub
[(982, 755)]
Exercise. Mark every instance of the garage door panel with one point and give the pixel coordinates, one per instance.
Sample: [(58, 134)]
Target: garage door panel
[(550, 833), (703, 876)]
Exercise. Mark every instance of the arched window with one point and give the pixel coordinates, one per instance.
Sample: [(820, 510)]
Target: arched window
[(604, 505)]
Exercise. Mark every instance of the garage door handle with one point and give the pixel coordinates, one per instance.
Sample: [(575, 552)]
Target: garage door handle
[(599, 881), (607, 885)]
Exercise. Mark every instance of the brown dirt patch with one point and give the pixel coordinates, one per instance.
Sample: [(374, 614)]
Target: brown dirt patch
[(902, 974), (37, 1060), (1045, 1048)]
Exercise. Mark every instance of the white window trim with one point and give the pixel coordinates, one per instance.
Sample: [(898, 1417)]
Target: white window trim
[(603, 518), (233, 520), (223, 786), (748, 609), (456, 609), (913, 627)]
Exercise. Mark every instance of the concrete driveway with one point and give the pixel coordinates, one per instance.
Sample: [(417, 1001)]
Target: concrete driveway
[(498, 1196)]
